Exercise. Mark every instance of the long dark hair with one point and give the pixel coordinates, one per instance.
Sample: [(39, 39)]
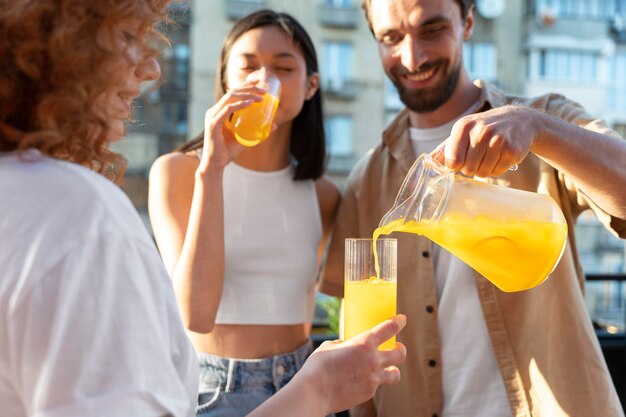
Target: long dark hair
[(307, 143)]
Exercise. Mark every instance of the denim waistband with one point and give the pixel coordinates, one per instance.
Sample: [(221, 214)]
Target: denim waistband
[(233, 374)]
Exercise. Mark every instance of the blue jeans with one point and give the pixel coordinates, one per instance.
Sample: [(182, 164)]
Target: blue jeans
[(234, 387)]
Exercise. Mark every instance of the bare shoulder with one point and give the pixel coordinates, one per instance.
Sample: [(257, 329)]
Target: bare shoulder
[(176, 166), (327, 189)]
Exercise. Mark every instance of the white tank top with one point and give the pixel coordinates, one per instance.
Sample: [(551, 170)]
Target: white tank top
[(272, 230)]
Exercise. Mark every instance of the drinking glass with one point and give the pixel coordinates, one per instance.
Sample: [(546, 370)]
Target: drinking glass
[(370, 291), (253, 124)]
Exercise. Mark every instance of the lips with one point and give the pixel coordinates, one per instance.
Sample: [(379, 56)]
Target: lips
[(127, 98), (420, 76), (423, 77), (419, 79)]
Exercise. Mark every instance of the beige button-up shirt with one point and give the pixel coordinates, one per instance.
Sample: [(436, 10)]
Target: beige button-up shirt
[(543, 339)]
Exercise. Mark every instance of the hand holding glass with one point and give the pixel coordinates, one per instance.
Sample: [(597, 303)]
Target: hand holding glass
[(253, 124), (369, 295)]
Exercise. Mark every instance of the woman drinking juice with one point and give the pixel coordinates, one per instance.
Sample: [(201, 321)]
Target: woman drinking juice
[(241, 228)]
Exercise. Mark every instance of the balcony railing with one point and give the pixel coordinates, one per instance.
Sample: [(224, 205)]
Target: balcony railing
[(339, 17), (341, 89), (236, 9), (610, 327)]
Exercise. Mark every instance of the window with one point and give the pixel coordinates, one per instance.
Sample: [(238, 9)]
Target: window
[(481, 60), (580, 9), (568, 65), (176, 67), (600, 252), (617, 92), (236, 9), (392, 99), (340, 4), (337, 64), (603, 254), (339, 135)]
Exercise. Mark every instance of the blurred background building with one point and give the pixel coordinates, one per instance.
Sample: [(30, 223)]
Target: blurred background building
[(573, 47)]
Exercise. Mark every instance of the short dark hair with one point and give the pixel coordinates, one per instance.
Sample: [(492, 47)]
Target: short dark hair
[(465, 6), (307, 144)]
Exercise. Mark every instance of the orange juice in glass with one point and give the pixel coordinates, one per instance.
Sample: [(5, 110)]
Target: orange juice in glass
[(369, 296), (253, 124)]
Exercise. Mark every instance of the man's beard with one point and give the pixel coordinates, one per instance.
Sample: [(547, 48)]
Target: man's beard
[(428, 99)]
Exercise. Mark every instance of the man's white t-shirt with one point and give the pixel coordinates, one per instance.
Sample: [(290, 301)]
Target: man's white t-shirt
[(472, 383), (88, 320)]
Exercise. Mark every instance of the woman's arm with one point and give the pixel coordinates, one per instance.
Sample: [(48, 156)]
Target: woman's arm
[(186, 203), (339, 375)]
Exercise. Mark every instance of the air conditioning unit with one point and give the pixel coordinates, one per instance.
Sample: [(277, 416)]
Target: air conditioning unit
[(546, 16), (618, 29)]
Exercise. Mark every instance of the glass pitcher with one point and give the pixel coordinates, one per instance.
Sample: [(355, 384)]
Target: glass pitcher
[(513, 238)]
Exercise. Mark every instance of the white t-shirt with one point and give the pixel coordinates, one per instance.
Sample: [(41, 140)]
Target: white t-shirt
[(88, 320), (472, 383)]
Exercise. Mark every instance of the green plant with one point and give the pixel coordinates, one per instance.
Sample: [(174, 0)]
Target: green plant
[(332, 306)]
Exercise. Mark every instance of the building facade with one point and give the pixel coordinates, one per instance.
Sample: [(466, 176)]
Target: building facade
[(530, 47)]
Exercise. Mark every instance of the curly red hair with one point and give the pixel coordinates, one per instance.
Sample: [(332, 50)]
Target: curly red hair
[(51, 56)]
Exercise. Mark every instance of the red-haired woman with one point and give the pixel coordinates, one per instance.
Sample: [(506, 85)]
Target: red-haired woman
[(88, 320)]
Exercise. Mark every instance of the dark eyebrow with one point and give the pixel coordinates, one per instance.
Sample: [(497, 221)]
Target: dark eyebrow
[(284, 55), (430, 21), (278, 55), (435, 20)]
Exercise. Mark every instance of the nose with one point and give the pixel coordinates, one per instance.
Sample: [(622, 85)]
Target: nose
[(263, 73), (149, 69), (411, 55)]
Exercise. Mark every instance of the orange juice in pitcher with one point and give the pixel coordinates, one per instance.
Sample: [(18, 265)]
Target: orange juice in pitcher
[(511, 237)]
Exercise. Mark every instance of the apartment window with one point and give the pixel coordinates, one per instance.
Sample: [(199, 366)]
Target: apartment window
[(174, 118), (176, 67), (337, 64), (603, 254), (568, 65), (600, 252), (339, 135), (617, 92), (481, 60), (236, 9), (580, 9), (392, 99), (340, 4)]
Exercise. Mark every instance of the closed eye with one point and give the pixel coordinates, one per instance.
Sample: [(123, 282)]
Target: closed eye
[(432, 31)]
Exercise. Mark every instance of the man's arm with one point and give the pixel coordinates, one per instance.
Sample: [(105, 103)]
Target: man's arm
[(339, 375), (488, 143)]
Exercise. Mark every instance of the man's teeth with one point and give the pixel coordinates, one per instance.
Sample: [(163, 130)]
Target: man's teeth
[(420, 76)]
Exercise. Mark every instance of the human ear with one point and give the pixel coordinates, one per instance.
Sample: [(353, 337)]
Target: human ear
[(468, 24), (313, 84)]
